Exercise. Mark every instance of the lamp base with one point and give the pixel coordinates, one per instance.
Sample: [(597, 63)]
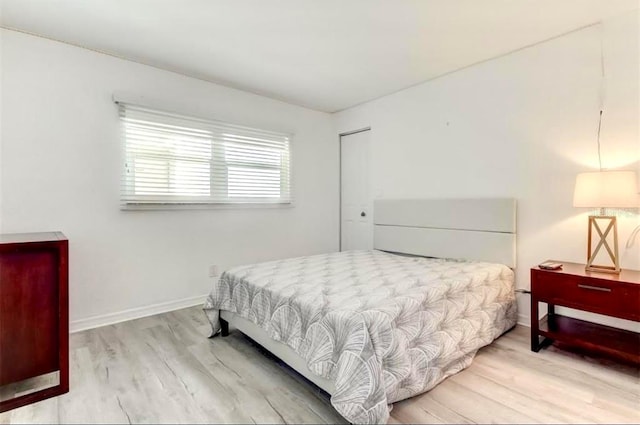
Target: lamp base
[(611, 224), (603, 269)]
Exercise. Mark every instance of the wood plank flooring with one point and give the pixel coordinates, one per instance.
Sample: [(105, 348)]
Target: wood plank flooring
[(164, 369)]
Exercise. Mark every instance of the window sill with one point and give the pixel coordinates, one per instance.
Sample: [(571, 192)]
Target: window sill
[(186, 206)]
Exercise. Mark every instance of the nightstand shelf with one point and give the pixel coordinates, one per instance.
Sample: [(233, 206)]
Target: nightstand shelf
[(608, 294), (621, 343)]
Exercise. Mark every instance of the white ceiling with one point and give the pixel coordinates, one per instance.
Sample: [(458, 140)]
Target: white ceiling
[(323, 54)]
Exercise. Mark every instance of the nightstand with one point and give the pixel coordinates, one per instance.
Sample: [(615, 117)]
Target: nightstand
[(603, 293)]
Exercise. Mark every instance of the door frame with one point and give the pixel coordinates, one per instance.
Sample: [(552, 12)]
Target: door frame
[(340, 136)]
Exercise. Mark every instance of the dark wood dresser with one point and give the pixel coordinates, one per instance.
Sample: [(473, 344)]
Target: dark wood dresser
[(603, 293), (34, 318)]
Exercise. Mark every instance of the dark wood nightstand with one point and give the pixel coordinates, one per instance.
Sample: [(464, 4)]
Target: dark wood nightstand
[(602, 293)]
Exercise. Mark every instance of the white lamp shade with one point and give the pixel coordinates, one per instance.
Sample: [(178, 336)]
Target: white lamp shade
[(606, 189)]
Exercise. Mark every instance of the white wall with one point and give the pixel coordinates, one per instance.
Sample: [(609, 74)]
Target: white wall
[(521, 126), (61, 171)]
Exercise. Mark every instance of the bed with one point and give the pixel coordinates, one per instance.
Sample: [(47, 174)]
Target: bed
[(378, 326)]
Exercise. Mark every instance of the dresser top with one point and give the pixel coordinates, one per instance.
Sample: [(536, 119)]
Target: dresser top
[(626, 275), (9, 238)]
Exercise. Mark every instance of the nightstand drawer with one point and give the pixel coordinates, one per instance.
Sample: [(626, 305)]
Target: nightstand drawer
[(611, 298)]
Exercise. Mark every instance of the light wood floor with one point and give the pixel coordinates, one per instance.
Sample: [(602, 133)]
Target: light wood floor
[(163, 369)]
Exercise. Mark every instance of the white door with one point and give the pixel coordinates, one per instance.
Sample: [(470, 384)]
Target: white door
[(356, 206)]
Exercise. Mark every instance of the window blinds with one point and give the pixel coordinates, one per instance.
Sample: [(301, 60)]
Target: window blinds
[(172, 159)]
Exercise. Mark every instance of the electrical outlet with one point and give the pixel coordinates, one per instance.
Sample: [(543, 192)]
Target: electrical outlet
[(213, 271)]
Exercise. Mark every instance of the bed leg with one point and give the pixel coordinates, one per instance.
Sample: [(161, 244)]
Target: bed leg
[(224, 328)]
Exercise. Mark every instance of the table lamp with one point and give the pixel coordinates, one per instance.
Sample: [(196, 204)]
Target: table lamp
[(605, 189)]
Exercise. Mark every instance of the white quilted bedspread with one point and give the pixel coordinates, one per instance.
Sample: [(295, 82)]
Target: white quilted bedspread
[(382, 327)]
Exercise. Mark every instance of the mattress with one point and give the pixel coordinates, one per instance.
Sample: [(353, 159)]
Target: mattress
[(381, 327)]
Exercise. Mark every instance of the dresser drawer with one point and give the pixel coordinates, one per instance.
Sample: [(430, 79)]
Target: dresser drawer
[(612, 298)]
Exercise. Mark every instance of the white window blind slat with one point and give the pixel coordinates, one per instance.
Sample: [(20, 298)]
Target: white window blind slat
[(172, 159)]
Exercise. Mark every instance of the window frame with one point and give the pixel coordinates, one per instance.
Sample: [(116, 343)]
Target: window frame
[(129, 200)]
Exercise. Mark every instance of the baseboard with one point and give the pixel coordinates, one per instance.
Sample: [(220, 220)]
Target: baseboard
[(134, 313), (524, 320), (137, 313)]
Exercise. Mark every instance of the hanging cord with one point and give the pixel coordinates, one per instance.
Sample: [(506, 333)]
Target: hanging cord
[(601, 94), (599, 153), (632, 238)]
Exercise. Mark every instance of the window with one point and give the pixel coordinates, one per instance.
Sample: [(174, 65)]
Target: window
[(171, 159)]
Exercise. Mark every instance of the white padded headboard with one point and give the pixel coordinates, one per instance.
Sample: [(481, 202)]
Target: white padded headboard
[(472, 229)]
